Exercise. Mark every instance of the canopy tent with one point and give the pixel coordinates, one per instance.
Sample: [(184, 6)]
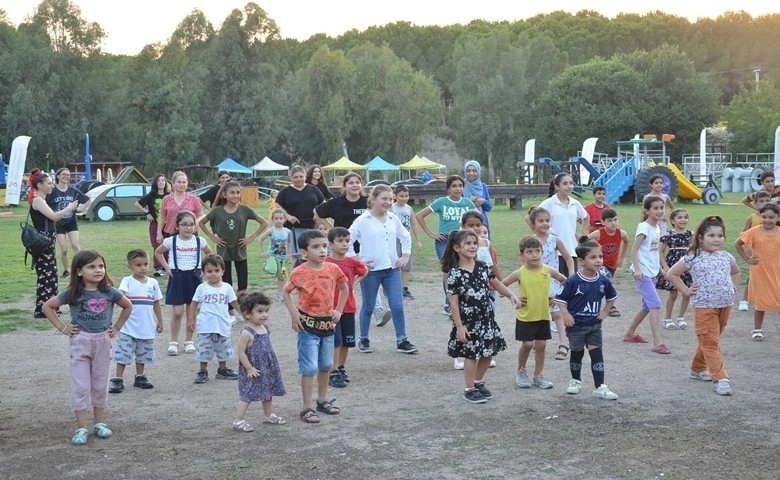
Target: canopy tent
[(379, 164), (417, 163), (268, 165), (231, 166), (344, 163)]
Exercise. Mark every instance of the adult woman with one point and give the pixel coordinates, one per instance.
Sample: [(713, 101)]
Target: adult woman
[(450, 208), (564, 213), (210, 195), (315, 177), (150, 204), (298, 201), (170, 207), (44, 218), (476, 191), (67, 228)]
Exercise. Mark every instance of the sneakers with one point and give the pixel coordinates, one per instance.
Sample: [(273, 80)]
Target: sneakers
[(521, 379), (446, 311), (483, 390), (670, 324), (343, 372), (233, 321), (757, 335), (79, 437), (279, 298), (226, 374), (142, 382), (459, 363), (744, 306), (201, 377), (384, 317), (189, 347), (574, 386), (116, 385), (407, 294), (378, 315), (604, 393), (474, 396), (173, 348), (101, 430), (65, 274), (553, 327), (723, 387), (405, 346), (336, 380), (541, 382), (681, 323), (159, 272), (703, 375), (492, 363), (365, 346)]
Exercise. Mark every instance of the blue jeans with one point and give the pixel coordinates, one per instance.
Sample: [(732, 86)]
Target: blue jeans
[(315, 353), (390, 280), (440, 246)]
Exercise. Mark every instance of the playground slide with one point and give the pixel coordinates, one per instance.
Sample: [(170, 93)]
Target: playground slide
[(686, 190)]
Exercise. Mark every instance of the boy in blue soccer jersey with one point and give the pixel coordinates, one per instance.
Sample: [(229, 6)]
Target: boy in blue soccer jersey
[(583, 311)]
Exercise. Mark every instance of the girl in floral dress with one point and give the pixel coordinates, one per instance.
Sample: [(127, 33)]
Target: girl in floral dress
[(674, 244), (475, 334), (259, 375)]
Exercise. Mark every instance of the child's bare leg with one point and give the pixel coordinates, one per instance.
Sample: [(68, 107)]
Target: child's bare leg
[(405, 278), (340, 356), (176, 313), (81, 418), (638, 318), (744, 293), (670, 303), (241, 410), (279, 286), (221, 365), (97, 414), (139, 369), (522, 355), (684, 301), (120, 369), (268, 407), (307, 383), (187, 334), (758, 319), (655, 325), (558, 319), (322, 385), (470, 372), (482, 366), (539, 346)]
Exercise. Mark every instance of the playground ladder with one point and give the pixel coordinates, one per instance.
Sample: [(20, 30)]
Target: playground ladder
[(617, 179)]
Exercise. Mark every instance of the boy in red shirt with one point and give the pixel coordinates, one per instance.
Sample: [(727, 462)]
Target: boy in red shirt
[(315, 318), (596, 208), (344, 338), (614, 245)]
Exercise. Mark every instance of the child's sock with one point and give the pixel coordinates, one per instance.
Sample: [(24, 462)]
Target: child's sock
[(575, 363), (597, 366)]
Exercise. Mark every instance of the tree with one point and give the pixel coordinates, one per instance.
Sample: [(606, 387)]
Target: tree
[(752, 118), (67, 30)]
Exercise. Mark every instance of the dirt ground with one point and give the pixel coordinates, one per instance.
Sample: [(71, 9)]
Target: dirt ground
[(403, 416)]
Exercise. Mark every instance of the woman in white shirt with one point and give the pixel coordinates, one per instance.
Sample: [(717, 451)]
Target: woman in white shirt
[(565, 211)]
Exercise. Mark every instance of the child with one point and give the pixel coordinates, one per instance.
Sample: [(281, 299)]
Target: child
[(91, 297), (675, 243), (214, 296), (280, 244), (614, 245), (764, 244), (314, 318), (475, 334), (596, 208), (533, 319), (183, 274), (409, 221), (582, 310), (715, 276), (553, 248), (767, 180), (645, 266), (344, 336), (377, 230), (656, 185), (259, 375), (760, 198), (229, 220), (136, 338), (324, 228), (271, 202)]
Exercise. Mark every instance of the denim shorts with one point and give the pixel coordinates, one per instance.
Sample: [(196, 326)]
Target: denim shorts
[(211, 343), (589, 335), (128, 346), (315, 353)]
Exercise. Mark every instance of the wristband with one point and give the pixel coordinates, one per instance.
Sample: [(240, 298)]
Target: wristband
[(64, 328)]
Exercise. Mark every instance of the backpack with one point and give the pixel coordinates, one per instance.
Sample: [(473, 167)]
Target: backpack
[(34, 242)]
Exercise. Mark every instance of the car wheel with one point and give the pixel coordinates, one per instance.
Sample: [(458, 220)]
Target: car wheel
[(105, 212)]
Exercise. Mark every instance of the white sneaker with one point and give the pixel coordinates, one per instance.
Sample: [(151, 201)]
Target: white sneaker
[(521, 379), (703, 375), (669, 324), (723, 387), (743, 306), (542, 382), (604, 392), (574, 386), (492, 363), (189, 347), (459, 364), (233, 319), (173, 348), (553, 326)]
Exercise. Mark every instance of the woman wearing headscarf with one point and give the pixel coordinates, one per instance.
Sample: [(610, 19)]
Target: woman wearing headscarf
[(476, 191)]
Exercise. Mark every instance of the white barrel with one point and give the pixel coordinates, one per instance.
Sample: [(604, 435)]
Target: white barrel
[(725, 180)]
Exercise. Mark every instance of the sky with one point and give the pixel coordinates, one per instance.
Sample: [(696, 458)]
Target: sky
[(131, 25)]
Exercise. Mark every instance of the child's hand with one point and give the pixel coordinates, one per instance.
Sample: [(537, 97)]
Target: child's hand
[(159, 328), (691, 290), (619, 263), (419, 246), (190, 326), (517, 301), (752, 260), (220, 242), (335, 315), (296, 323), (168, 272), (244, 242), (462, 334), (638, 275), (252, 372), (568, 320), (111, 331)]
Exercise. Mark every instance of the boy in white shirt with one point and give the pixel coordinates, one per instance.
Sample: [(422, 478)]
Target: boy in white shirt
[(136, 338), (215, 298)]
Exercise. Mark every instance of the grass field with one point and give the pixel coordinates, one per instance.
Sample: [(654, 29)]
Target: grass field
[(17, 282)]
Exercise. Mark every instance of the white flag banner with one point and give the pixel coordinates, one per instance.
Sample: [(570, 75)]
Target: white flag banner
[(16, 169)]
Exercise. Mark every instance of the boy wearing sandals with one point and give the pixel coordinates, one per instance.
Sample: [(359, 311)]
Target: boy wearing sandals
[(315, 318), (136, 338), (614, 245)]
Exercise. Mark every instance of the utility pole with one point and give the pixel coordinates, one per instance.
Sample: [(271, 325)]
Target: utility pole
[(757, 71)]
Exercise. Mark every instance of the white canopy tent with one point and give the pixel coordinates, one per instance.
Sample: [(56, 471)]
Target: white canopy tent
[(268, 165)]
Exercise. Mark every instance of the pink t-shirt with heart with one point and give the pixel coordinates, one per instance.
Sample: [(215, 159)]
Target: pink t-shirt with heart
[(94, 311)]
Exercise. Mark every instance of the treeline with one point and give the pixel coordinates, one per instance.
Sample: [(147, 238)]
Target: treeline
[(241, 90)]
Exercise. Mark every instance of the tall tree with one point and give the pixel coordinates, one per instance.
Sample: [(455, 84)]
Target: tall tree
[(752, 118), (67, 30)]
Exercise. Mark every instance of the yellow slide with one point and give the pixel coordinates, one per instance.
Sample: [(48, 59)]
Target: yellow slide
[(686, 190)]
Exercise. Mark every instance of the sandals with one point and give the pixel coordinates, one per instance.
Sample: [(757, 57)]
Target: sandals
[(101, 430), (614, 312), (274, 419), (635, 339), (173, 348), (757, 334), (242, 426), (328, 408), (669, 324), (681, 323), (189, 347), (309, 416), (80, 437), (661, 348), (562, 353)]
